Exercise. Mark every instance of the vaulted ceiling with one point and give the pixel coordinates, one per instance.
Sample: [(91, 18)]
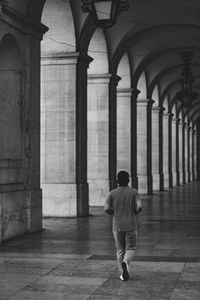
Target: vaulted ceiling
[(151, 32)]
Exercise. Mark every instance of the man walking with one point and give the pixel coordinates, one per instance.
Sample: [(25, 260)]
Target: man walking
[(124, 204)]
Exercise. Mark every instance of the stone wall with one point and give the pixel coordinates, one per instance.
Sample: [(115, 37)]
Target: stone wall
[(20, 193)]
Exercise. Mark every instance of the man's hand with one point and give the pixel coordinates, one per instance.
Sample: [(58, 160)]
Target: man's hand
[(109, 211), (139, 206)]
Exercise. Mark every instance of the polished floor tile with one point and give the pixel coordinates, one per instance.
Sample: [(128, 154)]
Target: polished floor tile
[(74, 258)]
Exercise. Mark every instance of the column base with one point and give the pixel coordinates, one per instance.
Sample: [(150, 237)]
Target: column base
[(186, 177), (34, 210), (177, 178), (156, 182), (82, 200), (134, 182), (170, 180), (166, 180), (145, 184), (189, 177), (59, 200), (161, 182), (180, 178), (174, 179), (98, 191), (21, 212), (195, 176)]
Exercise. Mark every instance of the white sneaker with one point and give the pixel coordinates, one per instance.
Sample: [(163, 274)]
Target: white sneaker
[(121, 277)]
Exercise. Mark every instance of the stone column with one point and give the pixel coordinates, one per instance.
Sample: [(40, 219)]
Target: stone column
[(98, 124), (180, 141), (183, 152), (32, 133), (20, 192), (177, 153), (58, 135), (124, 129), (144, 146), (113, 130), (155, 148), (81, 135), (170, 152), (161, 148), (186, 152), (173, 152), (198, 150), (194, 155), (166, 117), (190, 153), (134, 176)]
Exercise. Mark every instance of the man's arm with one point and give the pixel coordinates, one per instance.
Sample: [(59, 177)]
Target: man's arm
[(108, 205), (138, 204)]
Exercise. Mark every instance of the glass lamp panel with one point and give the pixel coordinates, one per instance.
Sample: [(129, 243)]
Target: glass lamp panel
[(103, 10)]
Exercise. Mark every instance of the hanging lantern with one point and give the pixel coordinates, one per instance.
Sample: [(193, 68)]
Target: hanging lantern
[(105, 12), (186, 96)]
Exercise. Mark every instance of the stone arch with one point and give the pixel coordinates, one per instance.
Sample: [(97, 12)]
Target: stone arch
[(155, 96), (173, 110), (60, 38), (166, 104), (123, 72), (142, 86), (98, 51)]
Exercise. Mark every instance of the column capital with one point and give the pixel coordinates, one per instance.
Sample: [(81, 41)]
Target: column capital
[(156, 109), (135, 92), (67, 59), (186, 127), (181, 123), (166, 115), (175, 120), (99, 78), (151, 102), (84, 60), (162, 109), (125, 92), (144, 102), (114, 79)]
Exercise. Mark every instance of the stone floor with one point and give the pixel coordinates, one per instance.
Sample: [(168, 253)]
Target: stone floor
[(75, 258)]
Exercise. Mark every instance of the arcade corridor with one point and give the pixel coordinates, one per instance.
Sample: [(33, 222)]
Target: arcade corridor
[(78, 103), (73, 258)]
